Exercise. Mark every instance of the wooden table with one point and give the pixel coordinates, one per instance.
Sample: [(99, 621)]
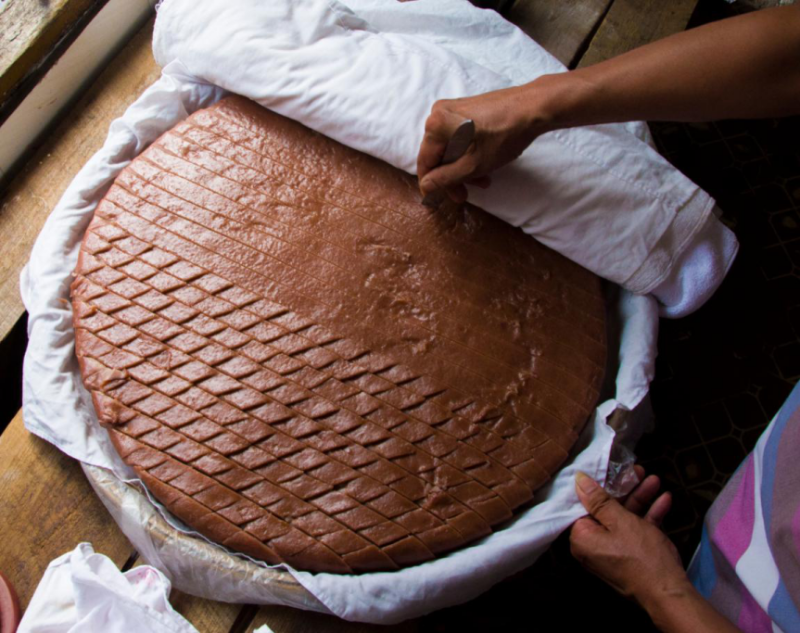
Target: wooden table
[(47, 504)]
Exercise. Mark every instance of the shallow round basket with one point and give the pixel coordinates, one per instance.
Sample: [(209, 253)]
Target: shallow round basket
[(195, 565)]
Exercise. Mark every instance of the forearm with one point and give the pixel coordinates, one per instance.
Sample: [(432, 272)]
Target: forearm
[(683, 610), (743, 67)]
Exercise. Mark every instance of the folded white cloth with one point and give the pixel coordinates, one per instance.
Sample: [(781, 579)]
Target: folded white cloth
[(697, 270), (84, 592), (600, 195)]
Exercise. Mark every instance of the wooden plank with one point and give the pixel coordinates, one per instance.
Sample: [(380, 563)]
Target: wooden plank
[(288, 620), (562, 28), (96, 45), (30, 197), (48, 509), (207, 616), (632, 23), (32, 35)]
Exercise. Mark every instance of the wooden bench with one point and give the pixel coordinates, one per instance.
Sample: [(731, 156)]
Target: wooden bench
[(47, 503)]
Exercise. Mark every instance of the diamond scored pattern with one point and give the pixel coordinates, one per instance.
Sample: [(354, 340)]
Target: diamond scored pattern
[(253, 457), (266, 431)]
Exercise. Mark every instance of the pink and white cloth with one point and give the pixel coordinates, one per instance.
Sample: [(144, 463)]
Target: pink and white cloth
[(748, 562), (84, 592)]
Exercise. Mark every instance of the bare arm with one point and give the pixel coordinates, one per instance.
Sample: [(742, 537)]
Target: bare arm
[(743, 67)]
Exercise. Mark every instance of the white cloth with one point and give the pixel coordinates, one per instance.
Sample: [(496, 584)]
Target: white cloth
[(84, 592), (258, 49), (599, 195), (698, 269)]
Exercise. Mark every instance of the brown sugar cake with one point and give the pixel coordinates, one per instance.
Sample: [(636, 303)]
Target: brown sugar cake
[(306, 365)]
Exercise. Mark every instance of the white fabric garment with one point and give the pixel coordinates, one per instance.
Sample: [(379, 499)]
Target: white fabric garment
[(697, 262), (84, 592), (57, 407), (697, 270), (599, 195)]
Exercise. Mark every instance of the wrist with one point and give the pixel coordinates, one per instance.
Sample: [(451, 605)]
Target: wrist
[(664, 601), (558, 101)]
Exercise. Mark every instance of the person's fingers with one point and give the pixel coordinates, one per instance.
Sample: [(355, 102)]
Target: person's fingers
[(430, 155), (598, 503), (642, 496), (583, 534), (447, 176), (439, 127), (640, 472), (658, 511)]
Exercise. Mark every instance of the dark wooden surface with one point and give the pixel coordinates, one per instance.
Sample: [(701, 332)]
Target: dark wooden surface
[(631, 23), (48, 508), (563, 28), (34, 475)]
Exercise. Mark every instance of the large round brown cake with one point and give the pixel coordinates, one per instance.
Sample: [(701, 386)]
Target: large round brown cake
[(305, 364)]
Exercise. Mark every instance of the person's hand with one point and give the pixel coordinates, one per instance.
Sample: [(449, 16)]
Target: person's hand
[(622, 543), (506, 122), (642, 499)]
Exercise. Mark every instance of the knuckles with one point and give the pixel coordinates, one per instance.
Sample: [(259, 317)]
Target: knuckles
[(437, 118), (440, 112), (441, 105)]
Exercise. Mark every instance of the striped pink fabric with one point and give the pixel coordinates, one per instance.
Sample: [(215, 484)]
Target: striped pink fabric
[(748, 562)]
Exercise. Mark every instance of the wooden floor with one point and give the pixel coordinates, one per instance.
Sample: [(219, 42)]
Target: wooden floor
[(34, 475)]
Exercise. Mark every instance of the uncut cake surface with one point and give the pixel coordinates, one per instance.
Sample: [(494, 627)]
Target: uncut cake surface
[(306, 365)]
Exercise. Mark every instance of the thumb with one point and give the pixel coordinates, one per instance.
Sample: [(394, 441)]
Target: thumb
[(585, 536), (447, 176), (598, 503), (585, 528)]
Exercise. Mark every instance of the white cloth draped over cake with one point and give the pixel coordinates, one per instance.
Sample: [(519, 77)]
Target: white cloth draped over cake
[(367, 77)]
